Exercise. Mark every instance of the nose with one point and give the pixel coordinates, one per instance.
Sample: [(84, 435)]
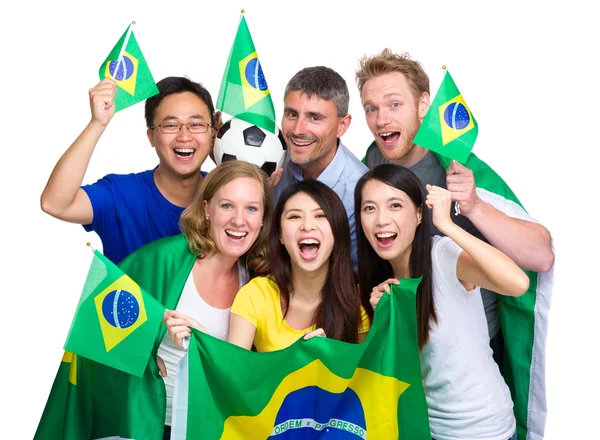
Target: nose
[(238, 217), (381, 218), (184, 134), (383, 117), (308, 224), (299, 127)]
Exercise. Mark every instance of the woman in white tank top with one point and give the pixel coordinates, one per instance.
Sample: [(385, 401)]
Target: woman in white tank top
[(227, 228), (466, 395)]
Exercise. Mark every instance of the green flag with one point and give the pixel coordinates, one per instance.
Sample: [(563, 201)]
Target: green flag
[(449, 127), (244, 92), (116, 322), (126, 65), (61, 418), (370, 390)]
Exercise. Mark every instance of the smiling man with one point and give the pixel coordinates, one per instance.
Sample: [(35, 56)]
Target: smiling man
[(315, 117), (128, 211), (394, 90)]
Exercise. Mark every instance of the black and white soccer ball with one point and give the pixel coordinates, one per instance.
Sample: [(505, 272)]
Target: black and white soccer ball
[(237, 139)]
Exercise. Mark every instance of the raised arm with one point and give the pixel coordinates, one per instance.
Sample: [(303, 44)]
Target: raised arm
[(527, 243), (479, 264), (63, 197)]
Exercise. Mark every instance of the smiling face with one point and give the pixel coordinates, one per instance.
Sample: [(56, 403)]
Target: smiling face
[(306, 234), (311, 127), (236, 214), (181, 153), (389, 220), (393, 113)]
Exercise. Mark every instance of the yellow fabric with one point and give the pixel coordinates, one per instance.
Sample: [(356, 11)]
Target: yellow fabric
[(259, 303)]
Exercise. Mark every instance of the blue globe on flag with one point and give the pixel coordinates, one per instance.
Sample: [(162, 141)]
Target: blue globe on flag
[(254, 75), (120, 309), (457, 116), (124, 71)]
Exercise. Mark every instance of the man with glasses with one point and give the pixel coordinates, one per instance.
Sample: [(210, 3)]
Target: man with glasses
[(128, 211)]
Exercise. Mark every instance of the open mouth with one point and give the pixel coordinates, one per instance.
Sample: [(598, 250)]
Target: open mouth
[(386, 239), (301, 143), (389, 137), (309, 248), (236, 235), (184, 153)]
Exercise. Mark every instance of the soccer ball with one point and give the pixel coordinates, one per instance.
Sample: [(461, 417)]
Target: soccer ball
[(237, 139)]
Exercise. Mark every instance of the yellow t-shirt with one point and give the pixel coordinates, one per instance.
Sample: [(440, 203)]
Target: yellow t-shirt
[(259, 303)]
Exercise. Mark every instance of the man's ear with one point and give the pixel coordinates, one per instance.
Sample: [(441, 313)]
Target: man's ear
[(150, 134), (423, 105), (343, 125)]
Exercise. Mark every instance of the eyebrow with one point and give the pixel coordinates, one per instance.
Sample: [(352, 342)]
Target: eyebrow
[(386, 96), (300, 210), (310, 114), (175, 118), (231, 201), (391, 199)]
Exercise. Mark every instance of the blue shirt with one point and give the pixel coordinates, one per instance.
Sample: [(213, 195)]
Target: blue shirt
[(341, 175), (129, 212)]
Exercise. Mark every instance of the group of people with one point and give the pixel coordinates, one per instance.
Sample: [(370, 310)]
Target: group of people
[(261, 261)]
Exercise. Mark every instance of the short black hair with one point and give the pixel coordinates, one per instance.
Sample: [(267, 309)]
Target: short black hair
[(177, 84)]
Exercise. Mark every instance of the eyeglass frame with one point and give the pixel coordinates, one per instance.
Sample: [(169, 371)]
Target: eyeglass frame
[(181, 124)]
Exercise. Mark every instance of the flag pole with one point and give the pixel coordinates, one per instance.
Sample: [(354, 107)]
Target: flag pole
[(88, 244), (456, 205), (120, 59)]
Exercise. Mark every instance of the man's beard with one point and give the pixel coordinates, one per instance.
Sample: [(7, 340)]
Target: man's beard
[(407, 138)]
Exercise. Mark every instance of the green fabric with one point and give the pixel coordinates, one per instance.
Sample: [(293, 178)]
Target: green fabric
[(132, 74), (517, 314), (360, 388), (244, 93), (109, 402), (449, 128), (116, 322)]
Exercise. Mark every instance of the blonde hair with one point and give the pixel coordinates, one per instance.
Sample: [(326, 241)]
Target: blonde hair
[(389, 62), (196, 227)]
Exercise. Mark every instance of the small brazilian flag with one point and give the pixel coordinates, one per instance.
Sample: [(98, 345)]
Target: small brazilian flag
[(244, 93), (126, 65), (116, 322), (321, 388), (449, 127)]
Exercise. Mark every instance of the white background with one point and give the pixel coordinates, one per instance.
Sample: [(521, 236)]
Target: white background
[(524, 68)]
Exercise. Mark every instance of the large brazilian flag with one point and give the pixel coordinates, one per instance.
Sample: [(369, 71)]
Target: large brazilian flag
[(320, 388)]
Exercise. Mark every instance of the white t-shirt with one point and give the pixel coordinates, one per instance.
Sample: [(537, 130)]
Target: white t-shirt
[(466, 395), (215, 321)]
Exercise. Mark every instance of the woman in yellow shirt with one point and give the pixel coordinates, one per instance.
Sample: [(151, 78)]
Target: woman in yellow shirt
[(311, 289)]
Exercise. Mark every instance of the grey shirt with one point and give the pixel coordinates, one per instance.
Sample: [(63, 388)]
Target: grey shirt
[(430, 171)]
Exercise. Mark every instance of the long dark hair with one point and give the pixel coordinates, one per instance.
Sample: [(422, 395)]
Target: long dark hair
[(373, 269), (339, 311)]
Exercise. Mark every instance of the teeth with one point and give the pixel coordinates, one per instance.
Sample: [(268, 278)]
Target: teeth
[(236, 233), (302, 144), (184, 150), (309, 241), (386, 235), (386, 134)]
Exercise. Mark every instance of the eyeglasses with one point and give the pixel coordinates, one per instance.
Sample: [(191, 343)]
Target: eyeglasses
[(174, 127)]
